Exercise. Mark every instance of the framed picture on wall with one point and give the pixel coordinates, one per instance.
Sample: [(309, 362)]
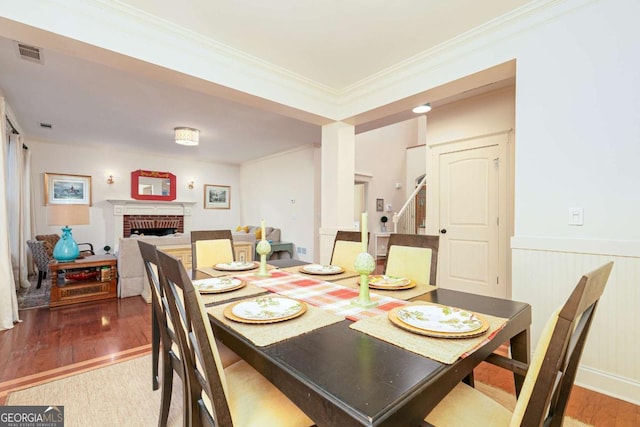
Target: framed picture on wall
[(379, 205), (60, 189), (217, 196)]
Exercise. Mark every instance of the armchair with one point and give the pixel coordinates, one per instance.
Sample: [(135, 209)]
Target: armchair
[(41, 259), (50, 240)]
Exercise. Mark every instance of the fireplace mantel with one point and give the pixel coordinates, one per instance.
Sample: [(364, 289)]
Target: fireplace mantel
[(148, 208)]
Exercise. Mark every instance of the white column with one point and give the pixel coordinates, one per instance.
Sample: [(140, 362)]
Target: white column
[(337, 183)]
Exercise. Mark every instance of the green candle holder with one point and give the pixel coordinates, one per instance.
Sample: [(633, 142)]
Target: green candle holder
[(263, 248), (364, 264)]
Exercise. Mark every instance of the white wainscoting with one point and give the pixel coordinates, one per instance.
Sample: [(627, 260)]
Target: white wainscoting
[(545, 278)]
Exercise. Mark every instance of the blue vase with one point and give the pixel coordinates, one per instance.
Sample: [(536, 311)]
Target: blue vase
[(66, 249)]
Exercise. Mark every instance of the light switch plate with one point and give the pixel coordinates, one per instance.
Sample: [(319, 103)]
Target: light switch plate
[(576, 216)]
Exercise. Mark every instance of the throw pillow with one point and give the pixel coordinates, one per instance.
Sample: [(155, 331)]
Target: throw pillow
[(243, 228), (259, 233)]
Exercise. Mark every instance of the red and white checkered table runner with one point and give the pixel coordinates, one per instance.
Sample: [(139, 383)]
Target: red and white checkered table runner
[(326, 295)]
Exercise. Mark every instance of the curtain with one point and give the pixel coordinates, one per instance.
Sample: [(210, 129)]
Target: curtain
[(18, 201), (8, 300)]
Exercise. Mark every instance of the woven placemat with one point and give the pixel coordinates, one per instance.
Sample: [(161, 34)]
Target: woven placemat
[(405, 295), (445, 350), (243, 292), (270, 333), (326, 277)]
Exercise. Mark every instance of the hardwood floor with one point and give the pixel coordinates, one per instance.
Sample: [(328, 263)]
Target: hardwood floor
[(585, 405), (53, 343)]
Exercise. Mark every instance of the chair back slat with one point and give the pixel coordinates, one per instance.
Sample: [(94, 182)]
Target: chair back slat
[(150, 261)]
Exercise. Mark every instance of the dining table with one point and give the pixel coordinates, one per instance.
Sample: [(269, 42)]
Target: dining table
[(341, 374)]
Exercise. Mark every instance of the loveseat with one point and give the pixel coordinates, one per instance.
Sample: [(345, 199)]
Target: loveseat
[(252, 233), (132, 279)]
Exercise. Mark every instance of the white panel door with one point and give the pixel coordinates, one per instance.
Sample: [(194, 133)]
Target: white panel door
[(469, 233)]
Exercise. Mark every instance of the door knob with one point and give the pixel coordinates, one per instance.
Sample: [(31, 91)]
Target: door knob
[(443, 231)]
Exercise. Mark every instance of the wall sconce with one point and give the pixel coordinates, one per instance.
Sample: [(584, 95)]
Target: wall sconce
[(191, 185), (110, 179)]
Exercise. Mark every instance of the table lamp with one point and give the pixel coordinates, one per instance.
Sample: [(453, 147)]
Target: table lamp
[(66, 249)]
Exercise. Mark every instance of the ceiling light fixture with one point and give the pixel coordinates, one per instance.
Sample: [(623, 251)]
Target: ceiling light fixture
[(425, 108), (187, 136)]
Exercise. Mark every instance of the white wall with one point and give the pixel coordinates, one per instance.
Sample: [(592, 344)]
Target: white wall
[(381, 153), (578, 145), (579, 125), (480, 115), (284, 191), (99, 163)]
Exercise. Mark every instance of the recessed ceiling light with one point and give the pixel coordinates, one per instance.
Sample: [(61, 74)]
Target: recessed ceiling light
[(424, 108)]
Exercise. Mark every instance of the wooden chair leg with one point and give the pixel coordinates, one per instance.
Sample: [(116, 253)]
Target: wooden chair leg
[(469, 380), (167, 389), (155, 351)]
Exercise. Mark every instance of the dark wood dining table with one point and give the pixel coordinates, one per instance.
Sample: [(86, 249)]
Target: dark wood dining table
[(342, 377)]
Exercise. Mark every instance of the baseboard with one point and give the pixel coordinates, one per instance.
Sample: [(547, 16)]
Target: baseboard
[(611, 385)]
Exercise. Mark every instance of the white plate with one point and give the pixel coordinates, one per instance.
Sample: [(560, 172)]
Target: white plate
[(267, 308), (235, 266), (439, 318), (383, 281), (322, 269), (216, 284)]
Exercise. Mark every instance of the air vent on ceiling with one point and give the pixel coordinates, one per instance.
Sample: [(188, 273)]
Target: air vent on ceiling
[(30, 53), (46, 125)]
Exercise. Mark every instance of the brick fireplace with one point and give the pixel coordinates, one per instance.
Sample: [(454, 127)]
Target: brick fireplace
[(150, 214), (156, 225)]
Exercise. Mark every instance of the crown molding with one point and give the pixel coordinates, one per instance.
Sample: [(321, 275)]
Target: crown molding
[(433, 67), (121, 28)]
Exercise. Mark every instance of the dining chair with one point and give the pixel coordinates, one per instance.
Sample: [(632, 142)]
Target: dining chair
[(210, 247), (346, 247), (549, 377), (162, 332), (414, 256), (234, 396)]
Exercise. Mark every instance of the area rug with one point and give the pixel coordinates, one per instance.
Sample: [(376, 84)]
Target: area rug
[(115, 395), (121, 395), (34, 298)]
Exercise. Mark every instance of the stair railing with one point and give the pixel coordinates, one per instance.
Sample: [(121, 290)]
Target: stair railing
[(404, 221)]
